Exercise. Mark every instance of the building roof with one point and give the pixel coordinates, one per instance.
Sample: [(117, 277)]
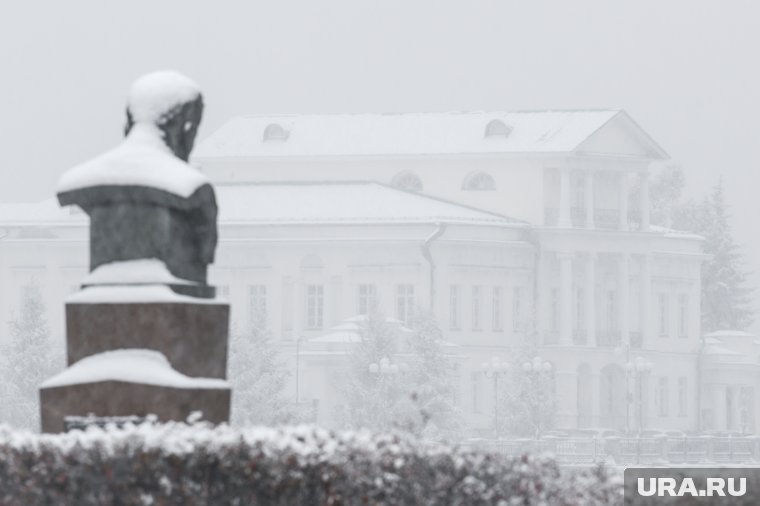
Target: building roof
[(552, 132), (296, 203), (39, 213), (342, 203)]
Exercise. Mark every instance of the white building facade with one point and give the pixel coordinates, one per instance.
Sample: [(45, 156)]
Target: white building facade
[(502, 224)]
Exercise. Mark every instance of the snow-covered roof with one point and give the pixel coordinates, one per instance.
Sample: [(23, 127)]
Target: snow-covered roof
[(410, 134), (44, 212), (146, 367), (341, 202), (728, 333), (304, 203), (671, 232), (350, 330)]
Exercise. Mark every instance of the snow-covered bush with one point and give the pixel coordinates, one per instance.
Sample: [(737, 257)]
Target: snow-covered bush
[(178, 464)]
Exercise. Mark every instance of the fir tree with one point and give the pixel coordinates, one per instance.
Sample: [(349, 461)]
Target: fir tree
[(431, 376), (401, 380), (528, 404), (726, 298), (258, 377), (30, 360), (372, 385)]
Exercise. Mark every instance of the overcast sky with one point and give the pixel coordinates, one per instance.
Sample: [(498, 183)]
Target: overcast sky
[(686, 71)]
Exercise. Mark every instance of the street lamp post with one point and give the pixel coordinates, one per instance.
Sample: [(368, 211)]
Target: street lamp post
[(298, 369), (637, 369), (495, 368), (537, 368)]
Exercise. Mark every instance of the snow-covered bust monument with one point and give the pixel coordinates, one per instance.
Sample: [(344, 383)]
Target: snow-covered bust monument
[(143, 198), (145, 334)]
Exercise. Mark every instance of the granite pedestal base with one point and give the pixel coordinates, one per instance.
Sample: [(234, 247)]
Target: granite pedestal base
[(117, 398), (193, 336)]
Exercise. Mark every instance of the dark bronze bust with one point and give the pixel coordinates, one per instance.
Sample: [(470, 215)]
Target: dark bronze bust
[(143, 198)]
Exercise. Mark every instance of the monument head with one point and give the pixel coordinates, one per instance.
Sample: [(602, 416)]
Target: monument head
[(170, 102)]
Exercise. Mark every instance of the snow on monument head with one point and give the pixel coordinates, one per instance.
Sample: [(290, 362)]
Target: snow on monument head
[(171, 102)]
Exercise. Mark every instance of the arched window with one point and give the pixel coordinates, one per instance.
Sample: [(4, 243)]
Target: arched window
[(407, 180), (275, 132), (497, 128), (479, 181)]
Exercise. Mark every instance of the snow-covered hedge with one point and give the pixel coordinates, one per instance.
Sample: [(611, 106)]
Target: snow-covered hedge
[(178, 464)]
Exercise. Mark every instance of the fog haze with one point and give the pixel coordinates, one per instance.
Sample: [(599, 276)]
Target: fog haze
[(685, 70)]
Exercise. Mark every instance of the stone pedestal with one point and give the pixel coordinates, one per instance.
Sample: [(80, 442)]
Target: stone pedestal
[(116, 398), (193, 336)]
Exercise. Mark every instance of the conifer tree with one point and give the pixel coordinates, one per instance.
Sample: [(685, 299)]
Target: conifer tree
[(401, 379), (726, 297), (30, 360), (259, 377)]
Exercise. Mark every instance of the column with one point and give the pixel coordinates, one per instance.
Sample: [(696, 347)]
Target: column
[(644, 200), (590, 301), (645, 301), (541, 297), (566, 298), (623, 201), (623, 288), (563, 219), (589, 195)]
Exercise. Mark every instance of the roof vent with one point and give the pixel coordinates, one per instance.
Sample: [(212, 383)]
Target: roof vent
[(275, 132), (497, 128)]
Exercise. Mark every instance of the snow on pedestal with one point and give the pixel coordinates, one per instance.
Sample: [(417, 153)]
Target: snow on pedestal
[(129, 365)]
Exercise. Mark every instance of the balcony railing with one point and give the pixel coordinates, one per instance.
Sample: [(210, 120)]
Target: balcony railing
[(695, 449), (608, 219), (580, 336), (608, 338)]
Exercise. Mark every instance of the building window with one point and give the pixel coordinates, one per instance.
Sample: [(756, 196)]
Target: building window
[(662, 396), (479, 181), (454, 307), (404, 303), (580, 308), (554, 308), (315, 306), (663, 313), (407, 180), (223, 291), (611, 312), (683, 315), (497, 323), (682, 396), (476, 308), (366, 298), (516, 308), (497, 128), (257, 305)]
